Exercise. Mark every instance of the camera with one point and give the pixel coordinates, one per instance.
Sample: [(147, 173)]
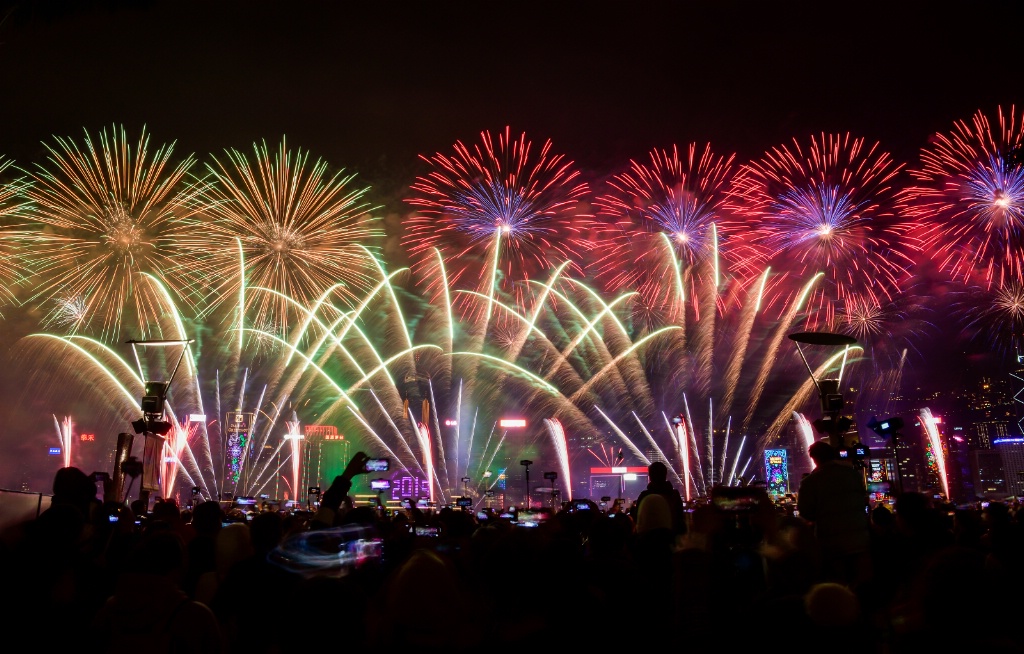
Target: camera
[(377, 465), (380, 484)]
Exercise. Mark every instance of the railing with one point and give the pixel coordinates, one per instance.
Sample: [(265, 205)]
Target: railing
[(18, 506)]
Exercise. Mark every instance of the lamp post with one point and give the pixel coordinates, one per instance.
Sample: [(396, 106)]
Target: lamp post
[(526, 463), (552, 476)]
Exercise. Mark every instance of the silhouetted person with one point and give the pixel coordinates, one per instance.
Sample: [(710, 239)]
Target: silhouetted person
[(834, 498), (207, 521), (49, 567), (149, 611), (657, 474)]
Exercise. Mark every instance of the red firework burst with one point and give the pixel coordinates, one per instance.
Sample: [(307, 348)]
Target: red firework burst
[(498, 212), (831, 209), (969, 199)]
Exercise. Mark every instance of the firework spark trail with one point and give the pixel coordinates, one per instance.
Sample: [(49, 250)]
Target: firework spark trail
[(684, 449), (739, 351), (969, 199), (423, 433), (172, 458), (440, 443), (624, 374), (735, 460), (253, 427), (487, 192), (675, 200), (772, 352), (935, 442), (486, 463), (692, 433), (675, 442), (221, 433), (806, 430), (831, 208), (111, 211), (725, 452), (557, 434), (655, 446), (16, 237), (349, 323), (294, 438), (301, 229), (189, 393), (807, 389), (745, 466), (629, 443), (64, 438), (380, 441), (709, 447)]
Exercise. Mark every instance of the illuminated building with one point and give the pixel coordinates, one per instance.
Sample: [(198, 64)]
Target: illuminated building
[(1011, 455), (989, 478), (617, 481), (776, 471)]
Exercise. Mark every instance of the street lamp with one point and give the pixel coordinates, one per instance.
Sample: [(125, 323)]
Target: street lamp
[(526, 463), (552, 476)]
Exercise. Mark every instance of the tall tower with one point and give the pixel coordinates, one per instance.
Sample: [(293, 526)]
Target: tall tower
[(1018, 397)]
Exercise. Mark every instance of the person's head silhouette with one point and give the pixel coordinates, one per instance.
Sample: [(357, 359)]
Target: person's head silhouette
[(821, 452), (657, 471)]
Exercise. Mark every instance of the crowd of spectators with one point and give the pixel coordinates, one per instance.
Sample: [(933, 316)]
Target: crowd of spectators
[(83, 576)]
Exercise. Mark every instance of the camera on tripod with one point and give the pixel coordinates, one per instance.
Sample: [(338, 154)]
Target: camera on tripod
[(856, 453)]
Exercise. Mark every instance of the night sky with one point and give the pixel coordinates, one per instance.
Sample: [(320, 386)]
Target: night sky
[(370, 86)]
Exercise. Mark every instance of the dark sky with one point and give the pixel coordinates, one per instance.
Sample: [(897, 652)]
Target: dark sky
[(370, 85)]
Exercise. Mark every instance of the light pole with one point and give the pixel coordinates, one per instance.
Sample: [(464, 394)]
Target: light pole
[(526, 463), (552, 476)]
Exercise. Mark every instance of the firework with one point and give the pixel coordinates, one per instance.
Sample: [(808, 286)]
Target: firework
[(13, 236), (298, 227), (499, 212), (934, 448), (830, 209), (688, 200), (994, 315), (110, 210), (969, 198)]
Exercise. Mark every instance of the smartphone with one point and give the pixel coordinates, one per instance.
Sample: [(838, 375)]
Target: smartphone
[(377, 465), (464, 502), (422, 530), (581, 506), (380, 484)]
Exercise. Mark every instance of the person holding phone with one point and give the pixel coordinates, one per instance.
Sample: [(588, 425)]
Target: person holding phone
[(330, 510)]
